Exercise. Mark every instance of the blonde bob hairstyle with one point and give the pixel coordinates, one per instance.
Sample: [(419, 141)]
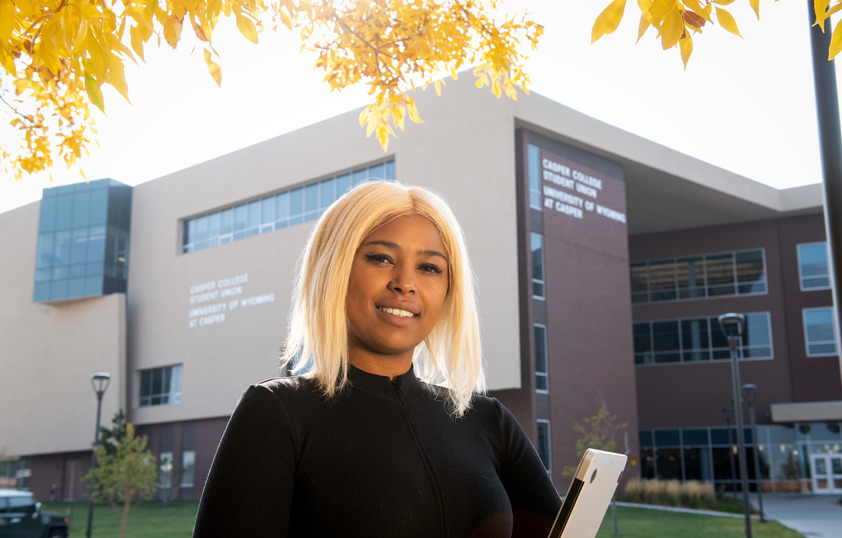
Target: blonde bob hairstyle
[(317, 344)]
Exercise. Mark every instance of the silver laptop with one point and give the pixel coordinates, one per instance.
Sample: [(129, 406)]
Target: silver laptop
[(589, 495)]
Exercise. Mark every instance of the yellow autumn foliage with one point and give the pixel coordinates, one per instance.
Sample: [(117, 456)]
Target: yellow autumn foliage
[(677, 21), (56, 56)]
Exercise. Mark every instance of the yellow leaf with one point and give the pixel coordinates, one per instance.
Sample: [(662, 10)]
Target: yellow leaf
[(213, 68), (413, 112), (608, 20), (642, 27), (820, 9), (247, 28), (685, 45), (172, 31), (437, 84), (7, 19), (726, 20), (672, 29), (94, 93), (137, 41), (755, 5), (723, 2), (835, 42), (117, 78)]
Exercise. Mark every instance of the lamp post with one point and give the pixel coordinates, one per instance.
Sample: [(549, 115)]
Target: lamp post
[(749, 391), (732, 326), (727, 412), (99, 381)]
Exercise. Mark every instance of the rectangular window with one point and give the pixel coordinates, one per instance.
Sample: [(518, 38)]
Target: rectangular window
[(697, 277), (819, 332), (537, 265), (541, 377), (751, 272), (666, 341), (662, 280), (812, 266), (639, 273), (699, 339), (690, 273), (720, 274), (545, 444), (160, 386), (694, 339), (188, 463), (643, 343), (276, 211), (533, 167)]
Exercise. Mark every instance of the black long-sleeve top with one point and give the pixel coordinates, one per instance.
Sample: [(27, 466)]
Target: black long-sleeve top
[(382, 459)]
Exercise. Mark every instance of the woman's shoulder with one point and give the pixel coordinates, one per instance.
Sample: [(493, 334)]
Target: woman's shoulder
[(287, 387)]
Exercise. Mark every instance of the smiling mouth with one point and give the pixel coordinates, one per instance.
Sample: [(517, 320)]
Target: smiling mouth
[(396, 312)]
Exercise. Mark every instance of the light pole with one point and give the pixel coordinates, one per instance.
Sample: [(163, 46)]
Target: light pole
[(727, 412), (732, 326), (749, 391), (99, 381)]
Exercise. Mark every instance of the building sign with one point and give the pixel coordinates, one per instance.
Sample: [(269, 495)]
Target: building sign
[(214, 301), (574, 190)]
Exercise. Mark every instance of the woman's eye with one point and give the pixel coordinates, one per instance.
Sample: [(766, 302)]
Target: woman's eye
[(431, 268), (379, 258)]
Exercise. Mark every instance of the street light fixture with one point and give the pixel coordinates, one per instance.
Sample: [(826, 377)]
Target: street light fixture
[(99, 382), (749, 391), (732, 326)]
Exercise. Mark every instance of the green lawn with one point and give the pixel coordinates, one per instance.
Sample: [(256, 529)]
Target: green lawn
[(649, 523), (152, 520), (149, 520)]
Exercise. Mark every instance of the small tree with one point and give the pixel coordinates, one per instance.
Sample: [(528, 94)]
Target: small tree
[(125, 477), (599, 432), (110, 438)]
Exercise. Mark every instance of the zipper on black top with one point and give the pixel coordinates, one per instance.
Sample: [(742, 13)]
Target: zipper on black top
[(399, 396)]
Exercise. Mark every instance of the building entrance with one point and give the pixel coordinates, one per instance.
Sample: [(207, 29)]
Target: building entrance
[(827, 473)]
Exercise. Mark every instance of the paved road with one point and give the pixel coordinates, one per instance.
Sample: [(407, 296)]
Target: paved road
[(814, 516)]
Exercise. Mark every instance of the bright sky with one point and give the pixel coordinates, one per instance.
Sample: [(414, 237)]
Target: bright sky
[(746, 105)]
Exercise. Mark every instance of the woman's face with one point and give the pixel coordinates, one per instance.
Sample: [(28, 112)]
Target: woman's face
[(398, 284)]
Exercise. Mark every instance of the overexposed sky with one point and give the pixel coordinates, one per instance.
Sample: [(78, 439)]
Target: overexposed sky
[(746, 105)]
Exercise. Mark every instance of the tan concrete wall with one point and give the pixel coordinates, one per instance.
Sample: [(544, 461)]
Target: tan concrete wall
[(466, 154), (49, 352)]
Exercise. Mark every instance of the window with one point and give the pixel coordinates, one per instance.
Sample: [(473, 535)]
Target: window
[(83, 241), (534, 171), (160, 386), (188, 463), (698, 277), (698, 340), (537, 265), (165, 470), (276, 211), (545, 444), (819, 332), (541, 381), (812, 266)]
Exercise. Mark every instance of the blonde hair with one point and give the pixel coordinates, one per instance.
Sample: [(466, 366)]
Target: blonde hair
[(317, 343)]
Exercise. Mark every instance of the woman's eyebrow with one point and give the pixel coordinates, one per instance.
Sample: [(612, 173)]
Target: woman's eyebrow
[(395, 246)]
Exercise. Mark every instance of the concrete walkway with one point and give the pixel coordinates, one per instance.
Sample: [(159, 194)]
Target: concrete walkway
[(814, 516)]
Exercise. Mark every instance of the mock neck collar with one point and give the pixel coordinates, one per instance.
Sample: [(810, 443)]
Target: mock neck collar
[(381, 385)]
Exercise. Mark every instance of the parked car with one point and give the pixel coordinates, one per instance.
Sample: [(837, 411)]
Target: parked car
[(21, 517)]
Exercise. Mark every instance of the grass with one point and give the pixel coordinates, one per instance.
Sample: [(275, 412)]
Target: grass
[(149, 520), (635, 522), (152, 520)]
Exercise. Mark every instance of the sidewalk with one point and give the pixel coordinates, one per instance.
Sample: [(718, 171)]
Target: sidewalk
[(814, 516)]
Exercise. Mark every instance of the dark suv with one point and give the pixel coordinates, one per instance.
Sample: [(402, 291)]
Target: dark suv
[(21, 517)]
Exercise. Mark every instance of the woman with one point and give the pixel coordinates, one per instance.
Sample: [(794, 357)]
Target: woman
[(385, 434)]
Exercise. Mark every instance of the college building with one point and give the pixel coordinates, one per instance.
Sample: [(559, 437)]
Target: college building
[(603, 261)]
